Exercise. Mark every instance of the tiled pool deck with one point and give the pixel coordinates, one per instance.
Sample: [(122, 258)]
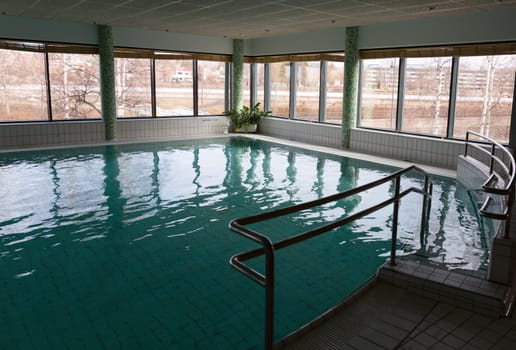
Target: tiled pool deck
[(387, 316)]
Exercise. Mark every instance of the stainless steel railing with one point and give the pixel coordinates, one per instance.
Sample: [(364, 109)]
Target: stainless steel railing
[(268, 247), (501, 177)]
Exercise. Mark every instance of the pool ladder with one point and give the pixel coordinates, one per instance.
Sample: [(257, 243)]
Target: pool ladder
[(268, 247)]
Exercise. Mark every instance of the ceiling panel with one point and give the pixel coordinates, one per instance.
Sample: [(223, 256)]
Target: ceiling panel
[(242, 18)]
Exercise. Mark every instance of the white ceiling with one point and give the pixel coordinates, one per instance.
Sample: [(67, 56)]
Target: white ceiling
[(241, 18)]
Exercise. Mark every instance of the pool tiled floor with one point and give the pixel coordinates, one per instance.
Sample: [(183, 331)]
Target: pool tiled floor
[(390, 317)]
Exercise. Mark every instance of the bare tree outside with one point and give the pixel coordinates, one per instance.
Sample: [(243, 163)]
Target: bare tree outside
[(246, 96), (484, 95), (133, 87), (426, 95), (260, 83), (211, 85), (22, 86), (379, 93), (280, 88), (75, 86), (307, 90), (334, 92)]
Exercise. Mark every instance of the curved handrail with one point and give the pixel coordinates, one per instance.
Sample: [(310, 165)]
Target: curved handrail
[(505, 170), (268, 248)]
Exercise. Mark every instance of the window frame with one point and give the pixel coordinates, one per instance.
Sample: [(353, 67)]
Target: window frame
[(45, 48), (322, 57), (456, 52)]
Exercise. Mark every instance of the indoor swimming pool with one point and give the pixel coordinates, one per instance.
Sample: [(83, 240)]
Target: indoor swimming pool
[(127, 246)]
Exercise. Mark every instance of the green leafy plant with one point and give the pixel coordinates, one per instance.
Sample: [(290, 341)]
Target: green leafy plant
[(241, 119)]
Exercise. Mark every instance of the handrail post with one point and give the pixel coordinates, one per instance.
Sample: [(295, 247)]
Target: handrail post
[(510, 202), (269, 298), (466, 144), (491, 161), (395, 211), (424, 210)]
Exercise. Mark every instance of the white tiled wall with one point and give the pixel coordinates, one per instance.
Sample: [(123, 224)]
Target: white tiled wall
[(471, 173), (443, 153), (419, 149), (134, 129), (50, 134), (82, 132), (313, 133)]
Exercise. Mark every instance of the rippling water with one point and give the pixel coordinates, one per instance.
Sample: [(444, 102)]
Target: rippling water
[(127, 246)]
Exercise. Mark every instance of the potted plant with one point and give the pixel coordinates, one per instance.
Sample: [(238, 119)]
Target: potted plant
[(246, 119)]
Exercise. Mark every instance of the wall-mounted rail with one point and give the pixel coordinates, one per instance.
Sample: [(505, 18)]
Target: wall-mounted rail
[(268, 247), (501, 177)]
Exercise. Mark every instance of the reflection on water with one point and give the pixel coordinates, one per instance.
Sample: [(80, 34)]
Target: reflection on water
[(134, 240)]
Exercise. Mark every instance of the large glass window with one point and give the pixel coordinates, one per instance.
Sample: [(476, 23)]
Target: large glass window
[(334, 92), (307, 90), (260, 83), (484, 96), (133, 87), (174, 87), (482, 90), (426, 95), (379, 93), (246, 85), (280, 88), (23, 94), (211, 87), (74, 86)]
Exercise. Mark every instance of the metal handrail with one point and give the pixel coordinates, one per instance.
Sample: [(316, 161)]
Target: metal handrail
[(268, 248), (506, 172)]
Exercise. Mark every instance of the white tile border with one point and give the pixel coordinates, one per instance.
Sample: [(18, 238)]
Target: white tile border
[(356, 155)]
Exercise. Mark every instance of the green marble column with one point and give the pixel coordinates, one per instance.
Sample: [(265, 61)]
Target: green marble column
[(107, 80), (351, 66), (237, 82)]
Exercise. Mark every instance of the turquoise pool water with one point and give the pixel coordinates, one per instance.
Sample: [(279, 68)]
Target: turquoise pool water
[(127, 246)]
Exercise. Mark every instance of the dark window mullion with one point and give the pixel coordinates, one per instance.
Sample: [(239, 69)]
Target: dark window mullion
[(153, 86), (401, 92), (453, 97), (47, 83), (195, 88)]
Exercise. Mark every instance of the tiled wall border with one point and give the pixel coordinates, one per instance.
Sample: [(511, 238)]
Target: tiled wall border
[(436, 152), (302, 131), (419, 149), (471, 173), (28, 135), (50, 134)]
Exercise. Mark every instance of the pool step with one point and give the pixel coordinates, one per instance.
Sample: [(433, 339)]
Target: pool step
[(468, 292)]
